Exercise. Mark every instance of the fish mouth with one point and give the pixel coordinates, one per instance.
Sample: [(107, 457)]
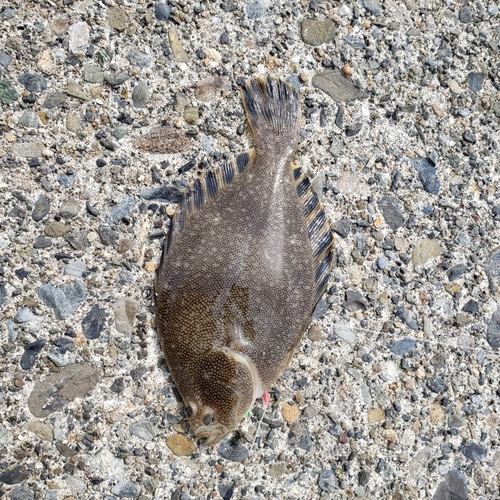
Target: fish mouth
[(212, 433)]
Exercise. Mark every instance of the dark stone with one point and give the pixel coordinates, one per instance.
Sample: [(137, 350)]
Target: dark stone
[(456, 271), (78, 240), (475, 81), (327, 481), (354, 301), (14, 476), (453, 487), (475, 452), (337, 86), (55, 391), (437, 384), (5, 59), (65, 450), (21, 493), (339, 117), (162, 11), (427, 174), (342, 227), (493, 331), (41, 208), (471, 307), (138, 372), (404, 314), (403, 346), (232, 452), (138, 59), (352, 130), (469, 137), (65, 300), (108, 236), (116, 79), (170, 194), (226, 490), (31, 352), (54, 100), (8, 94), (21, 273), (118, 385), (94, 322), (391, 211), (66, 180), (91, 209), (355, 41), (363, 477), (465, 14), (3, 293), (321, 308), (33, 83)]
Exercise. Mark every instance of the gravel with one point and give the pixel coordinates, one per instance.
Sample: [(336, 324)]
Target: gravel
[(110, 109)]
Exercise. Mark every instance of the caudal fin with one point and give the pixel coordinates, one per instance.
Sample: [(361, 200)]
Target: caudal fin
[(272, 108)]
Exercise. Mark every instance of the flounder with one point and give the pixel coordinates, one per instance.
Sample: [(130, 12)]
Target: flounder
[(246, 259)]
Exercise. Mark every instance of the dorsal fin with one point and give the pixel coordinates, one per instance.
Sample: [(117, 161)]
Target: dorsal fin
[(320, 233), (202, 190)]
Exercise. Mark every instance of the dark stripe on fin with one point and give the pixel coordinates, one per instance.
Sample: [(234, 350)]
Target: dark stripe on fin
[(303, 186), (320, 233), (310, 204), (272, 107), (297, 172), (242, 161), (201, 191)]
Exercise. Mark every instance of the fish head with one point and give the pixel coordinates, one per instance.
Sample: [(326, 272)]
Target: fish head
[(228, 384)]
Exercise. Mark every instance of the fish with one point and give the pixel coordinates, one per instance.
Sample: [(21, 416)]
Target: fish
[(247, 258)]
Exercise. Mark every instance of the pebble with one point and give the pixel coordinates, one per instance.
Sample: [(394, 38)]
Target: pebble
[(64, 300), (475, 81), (177, 50), (54, 100), (315, 32), (76, 268), (327, 481), (55, 391), (30, 354), (117, 18), (120, 131), (344, 332), (321, 308), (74, 90), (404, 314), (337, 86), (493, 330), (382, 263), (125, 311), (465, 14), (232, 452), (24, 315), (78, 239), (427, 174), (143, 429), (354, 301), (168, 194), (73, 122), (141, 95), (33, 82), (403, 346), (376, 415), (125, 278), (425, 250), (8, 94), (69, 208), (475, 452), (79, 35), (21, 493), (255, 10), (57, 356), (5, 59), (42, 242), (107, 235), (182, 446), (391, 211), (454, 87), (471, 306), (14, 476), (456, 271), (342, 227), (42, 430), (162, 11), (372, 6), (290, 413), (315, 333), (126, 489), (94, 322), (493, 9), (28, 149), (138, 58), (116, 79), (28, 119), (454, 486), (437, 384), (120, 210), (92, 74)]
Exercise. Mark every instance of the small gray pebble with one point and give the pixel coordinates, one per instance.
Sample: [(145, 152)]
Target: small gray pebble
[(465, 14), (234, 453), (403, 346), (41, 208), (436, 384), (141, 95), (93, 323), (24, 315), (162, 11), (126, 489), (327, 481), (33, 83), (475, 452), (255, 10)]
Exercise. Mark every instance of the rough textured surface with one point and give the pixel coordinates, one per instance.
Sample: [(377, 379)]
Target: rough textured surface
[(429, 70)]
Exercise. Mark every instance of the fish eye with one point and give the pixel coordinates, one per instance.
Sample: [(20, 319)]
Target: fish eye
[(209, 418), (191, 410)]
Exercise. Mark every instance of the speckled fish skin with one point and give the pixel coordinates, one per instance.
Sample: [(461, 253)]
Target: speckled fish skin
[(242, 270)]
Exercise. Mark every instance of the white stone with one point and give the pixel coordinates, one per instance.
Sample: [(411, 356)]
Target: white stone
[(79, 34)]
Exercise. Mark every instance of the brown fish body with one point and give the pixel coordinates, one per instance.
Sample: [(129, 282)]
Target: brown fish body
[(239, 279)]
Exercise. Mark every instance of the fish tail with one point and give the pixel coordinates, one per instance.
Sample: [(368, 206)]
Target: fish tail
[(272, 108)]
